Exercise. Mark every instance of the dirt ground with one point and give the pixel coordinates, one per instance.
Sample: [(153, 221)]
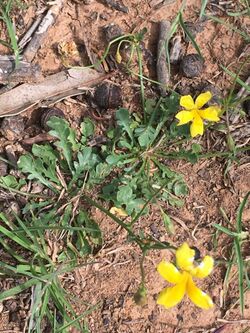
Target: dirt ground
[(115, 276)]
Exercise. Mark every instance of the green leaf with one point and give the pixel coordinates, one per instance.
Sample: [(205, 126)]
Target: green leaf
[(180, 188), (67, 143), (124, 194), (87, 129), (35, 170), (167, 222), (9, 181), (135, 206), (145, 135), (123, 120)]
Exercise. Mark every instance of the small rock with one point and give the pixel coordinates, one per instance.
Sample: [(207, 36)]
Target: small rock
[(108, 95), (112, 31), (12, 128), (3, 167), (193, 28), (47, 113), (192, 65)]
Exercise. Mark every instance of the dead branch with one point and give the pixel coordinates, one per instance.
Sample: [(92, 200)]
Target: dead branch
[(39, 36), (55, 86)]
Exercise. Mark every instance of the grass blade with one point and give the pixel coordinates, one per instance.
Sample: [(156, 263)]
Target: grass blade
[(191, 37), (203, 7), (240, 264), (240, 212)]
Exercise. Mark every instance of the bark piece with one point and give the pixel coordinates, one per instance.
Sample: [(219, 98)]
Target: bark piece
[(117, 5), (39, 36), (25, 72), (162, 68), (54, 87)]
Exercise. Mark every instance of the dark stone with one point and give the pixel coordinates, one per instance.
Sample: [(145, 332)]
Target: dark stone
[(192, 65), (47, 113), (12, 128)]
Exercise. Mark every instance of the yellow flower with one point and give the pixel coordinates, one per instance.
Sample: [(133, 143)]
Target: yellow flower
[(118, 212), (195, 114), (183, 279)]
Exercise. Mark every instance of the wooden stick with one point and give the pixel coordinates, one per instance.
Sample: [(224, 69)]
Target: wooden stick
[(27, 95), (161, 65), (25, 72), (39, 36)]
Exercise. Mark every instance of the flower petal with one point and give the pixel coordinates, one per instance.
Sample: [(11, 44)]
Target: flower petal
[(118, 212), (204, 269), (185, 257), (202, 99), (169, 272), (197, 126), (210, 113), (169, 297), (184, 117), (187, 102), (197, 296)]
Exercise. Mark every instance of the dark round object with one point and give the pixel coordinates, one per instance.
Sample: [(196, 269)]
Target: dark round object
[(108, 95), (47, 113), (112, 31), (192, 65), (193, 28), (246, 107), (12, 128)]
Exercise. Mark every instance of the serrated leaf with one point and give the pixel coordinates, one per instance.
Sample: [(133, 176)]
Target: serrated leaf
[(145, 136), (9, 181), (135, 206), (35, 170), (67, 142), (87, 129), (167, 222), (124, 194), (101, 171), (48, 157), (124, 121)]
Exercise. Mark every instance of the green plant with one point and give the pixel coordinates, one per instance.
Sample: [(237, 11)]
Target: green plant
[(37, 263), (5, 9), (239, 237)]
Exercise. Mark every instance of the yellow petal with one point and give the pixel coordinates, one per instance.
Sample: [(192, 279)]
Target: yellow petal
[(197, 126), (118, 57), (118, 212), (184, 117), (185, 257), (169, 297), (197, 296), (202, 99), (204, 269), (210, 113), (169, 272), (187, 102)]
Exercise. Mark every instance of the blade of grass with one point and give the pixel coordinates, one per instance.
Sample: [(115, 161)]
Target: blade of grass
[(84, 314), (225, 230), (235, 76), (230, 26), (203, 7), (191, 37), (240, 273), (240, 212)]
